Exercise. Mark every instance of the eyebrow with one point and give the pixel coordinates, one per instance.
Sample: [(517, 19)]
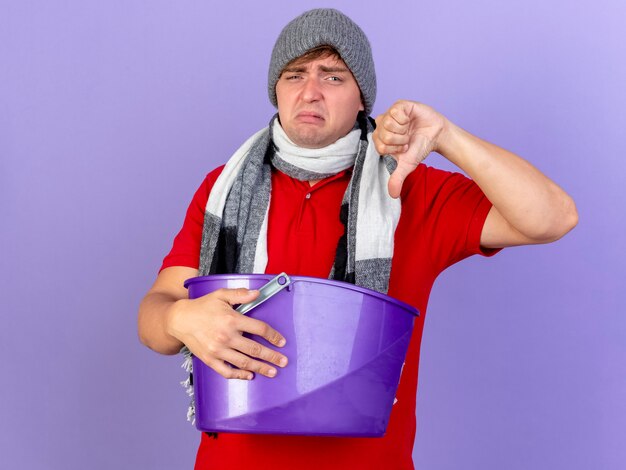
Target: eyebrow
[(332, 69), (323, 68)]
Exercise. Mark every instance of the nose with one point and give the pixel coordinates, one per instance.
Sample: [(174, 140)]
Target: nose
[(312, 91)]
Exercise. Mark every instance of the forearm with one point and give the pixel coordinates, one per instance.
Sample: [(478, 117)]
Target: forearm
[(154, 313), (528, 200)]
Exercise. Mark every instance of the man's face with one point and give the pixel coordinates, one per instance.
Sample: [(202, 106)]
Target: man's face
[(318, 101)]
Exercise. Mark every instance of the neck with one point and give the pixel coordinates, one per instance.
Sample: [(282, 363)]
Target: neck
[(314, 165)]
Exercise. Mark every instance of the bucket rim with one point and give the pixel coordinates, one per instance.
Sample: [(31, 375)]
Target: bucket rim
[(318, 280)]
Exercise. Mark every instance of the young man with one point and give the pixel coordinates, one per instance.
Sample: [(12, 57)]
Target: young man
[(311, 195)]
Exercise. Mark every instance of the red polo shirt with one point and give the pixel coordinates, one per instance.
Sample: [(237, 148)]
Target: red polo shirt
[(441, 221)]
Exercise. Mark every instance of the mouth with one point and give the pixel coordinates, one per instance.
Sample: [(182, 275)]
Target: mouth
[(309, 117)]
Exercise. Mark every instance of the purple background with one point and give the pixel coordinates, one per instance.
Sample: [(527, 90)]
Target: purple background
[(112, 112)]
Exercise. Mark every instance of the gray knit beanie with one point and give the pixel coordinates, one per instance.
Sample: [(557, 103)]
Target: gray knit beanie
[(325, 26)]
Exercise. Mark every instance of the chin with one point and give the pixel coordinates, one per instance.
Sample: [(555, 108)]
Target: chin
[(311, 140)]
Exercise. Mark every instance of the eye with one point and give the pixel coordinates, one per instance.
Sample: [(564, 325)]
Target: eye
[(292, 77), (334, 78)]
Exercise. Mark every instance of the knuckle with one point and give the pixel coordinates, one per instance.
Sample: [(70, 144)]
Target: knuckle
[(222, 338), (213, 349), (255, 350), (265, 330), (224, 374), (276, 337), (230, 322), (219, 292), (245, 363), (394, 109), (205, 358)]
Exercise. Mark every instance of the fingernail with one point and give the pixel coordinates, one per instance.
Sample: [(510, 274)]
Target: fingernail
[(271, 372), (282, 362), (282, 342)]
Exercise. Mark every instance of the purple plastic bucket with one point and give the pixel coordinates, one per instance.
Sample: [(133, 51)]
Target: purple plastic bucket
[(346, 346)]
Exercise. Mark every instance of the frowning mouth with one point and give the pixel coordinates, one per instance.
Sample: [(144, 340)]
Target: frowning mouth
[(309, 116)]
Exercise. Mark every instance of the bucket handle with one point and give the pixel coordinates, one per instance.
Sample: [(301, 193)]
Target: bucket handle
[(270, 289)]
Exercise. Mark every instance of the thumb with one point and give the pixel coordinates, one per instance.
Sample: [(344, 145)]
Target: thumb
[(237, 296), (397, 178)]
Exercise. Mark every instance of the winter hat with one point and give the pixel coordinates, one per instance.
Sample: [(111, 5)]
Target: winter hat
[(325, 26)]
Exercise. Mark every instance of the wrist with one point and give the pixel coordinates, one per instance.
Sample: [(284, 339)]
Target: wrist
[(172, 317), (460, 148), (448, 138)]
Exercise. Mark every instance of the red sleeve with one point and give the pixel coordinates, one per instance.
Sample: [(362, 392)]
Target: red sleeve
[(186, 248), (452, 209)]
